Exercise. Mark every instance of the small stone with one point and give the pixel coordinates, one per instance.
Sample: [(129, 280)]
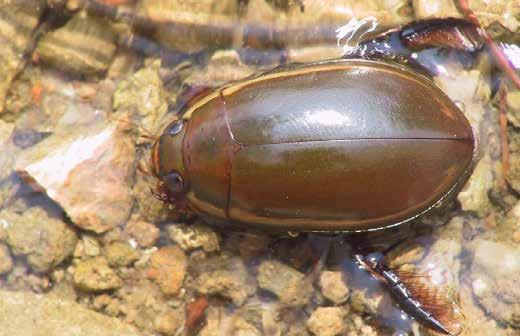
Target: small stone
[(101, 301), (112, 235), (88, 171), (271, 325), (442, 259), (250, 245), (478, 321), (91, 246), (357, 326), (408, 252), (362, 303), (19, 19), (495, 274), (503, 13), (44, 240), (243, 328), (169, 322), (219, 322), (513, 108), (124, 62), (94, 275), (143, 302), (202, 11), (333, 287), (120, 254), (327, 321), (190, 237), (145, 234), (468, 88), (516, 236), (63, 48), (513, 176), (427, 9), (227, 277), (142, 94), (6, 261), (7, 158), (288, 284), (474, 196), (168, 269), (25, 313)]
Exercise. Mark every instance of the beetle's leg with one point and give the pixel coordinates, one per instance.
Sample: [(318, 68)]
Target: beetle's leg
[(148, 47), (114, 13), (263, 57), (403, 44), (138, 22), (264, 43)]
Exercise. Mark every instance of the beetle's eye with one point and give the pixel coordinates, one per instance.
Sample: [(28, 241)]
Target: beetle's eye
[(173, 182), (174, 128)]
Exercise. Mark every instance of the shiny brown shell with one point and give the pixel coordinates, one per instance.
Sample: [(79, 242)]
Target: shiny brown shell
[(345, 145)]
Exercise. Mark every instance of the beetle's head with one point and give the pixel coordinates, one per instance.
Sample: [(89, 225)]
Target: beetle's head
[(168, 166)]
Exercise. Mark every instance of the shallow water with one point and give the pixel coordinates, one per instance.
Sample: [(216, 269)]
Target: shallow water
[(85, 246)]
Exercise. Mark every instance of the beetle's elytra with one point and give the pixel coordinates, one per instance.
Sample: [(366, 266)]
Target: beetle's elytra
[(344, 145)]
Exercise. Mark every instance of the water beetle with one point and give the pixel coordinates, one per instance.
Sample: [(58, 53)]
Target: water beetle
[(348, 145), (335, 146)]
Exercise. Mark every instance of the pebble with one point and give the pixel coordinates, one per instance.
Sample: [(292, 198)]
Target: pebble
[(427, 9), (142, 95), (66, 165), (478, 322), (167, 267), (495, 275), (169, 322), (120, 254), (24, 313), (189, 39), (363, 303), (145, 234), (94, 275), (44, 240), (327, 321), (513, 108), (513, 176), (6, 261), (474, 196), (84, 45), (190, 237), (250, 245), (225, 276), (333, 287), (91, 246), (18, 22), (219, 322), (6, 160), (287, 283)]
